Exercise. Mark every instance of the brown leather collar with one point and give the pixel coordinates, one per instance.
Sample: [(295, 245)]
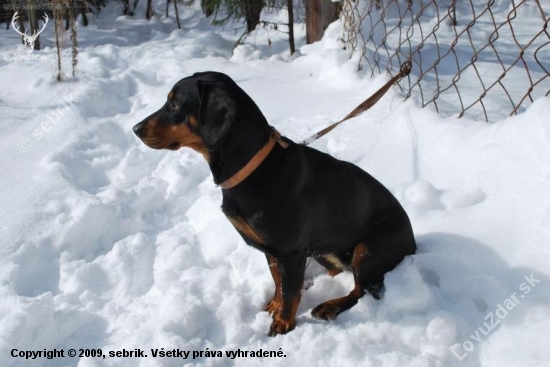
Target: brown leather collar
[(255, 161)]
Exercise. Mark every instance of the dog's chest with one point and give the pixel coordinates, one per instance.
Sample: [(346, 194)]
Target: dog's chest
[(244, 227)]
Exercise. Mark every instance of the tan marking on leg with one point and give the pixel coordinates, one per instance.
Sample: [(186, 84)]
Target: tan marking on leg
[(358, 254), (334, 260), (274, 306), (285, 321), (332, 269), (329, 310)]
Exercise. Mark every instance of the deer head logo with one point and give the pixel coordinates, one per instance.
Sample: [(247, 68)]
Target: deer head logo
[(29, 40)]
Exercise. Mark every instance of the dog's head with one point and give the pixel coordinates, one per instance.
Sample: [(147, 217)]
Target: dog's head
[(198, 113)]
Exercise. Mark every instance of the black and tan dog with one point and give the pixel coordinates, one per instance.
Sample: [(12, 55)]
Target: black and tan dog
[(287, 200)]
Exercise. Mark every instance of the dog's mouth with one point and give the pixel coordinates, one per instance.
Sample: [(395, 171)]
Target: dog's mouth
[(174, 146), (157, 143), (154, 143)]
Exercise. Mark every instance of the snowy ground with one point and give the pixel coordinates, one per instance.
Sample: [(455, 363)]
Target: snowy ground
[(110, 245)]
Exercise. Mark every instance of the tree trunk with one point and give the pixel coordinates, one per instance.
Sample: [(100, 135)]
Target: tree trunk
[(84, 16), (67, 20), (20, 22), (453, 17), (253, 9), (177, 13), (57, 15), (34, 26), (149, 12), (290, 6)]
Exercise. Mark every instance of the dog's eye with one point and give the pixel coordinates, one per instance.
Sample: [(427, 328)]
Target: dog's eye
[(173, 106)]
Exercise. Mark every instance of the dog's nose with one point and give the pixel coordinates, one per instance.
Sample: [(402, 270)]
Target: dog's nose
[(138, 129)]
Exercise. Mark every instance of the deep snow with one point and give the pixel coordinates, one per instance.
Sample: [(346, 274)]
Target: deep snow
[(108, 244)]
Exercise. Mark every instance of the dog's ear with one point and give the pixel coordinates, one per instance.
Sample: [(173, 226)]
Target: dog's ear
[(217, 111)]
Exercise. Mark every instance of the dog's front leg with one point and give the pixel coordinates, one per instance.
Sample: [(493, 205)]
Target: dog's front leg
[(292, 267), (274, 306)]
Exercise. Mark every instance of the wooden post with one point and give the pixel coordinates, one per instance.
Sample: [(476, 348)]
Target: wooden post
[(319, 14), (331, 12), (314, 20)]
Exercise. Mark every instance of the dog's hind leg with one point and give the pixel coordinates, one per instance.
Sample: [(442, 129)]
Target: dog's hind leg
[(369, 264), (330, 309)]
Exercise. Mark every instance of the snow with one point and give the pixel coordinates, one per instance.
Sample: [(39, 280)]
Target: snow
[(107, 244)]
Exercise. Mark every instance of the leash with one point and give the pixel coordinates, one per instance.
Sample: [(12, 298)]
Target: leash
[(275, 137), (404, 71)]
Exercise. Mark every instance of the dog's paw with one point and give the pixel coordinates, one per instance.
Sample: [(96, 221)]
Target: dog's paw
[(281, 326), (375, 289), (325, 311), (273, 307)]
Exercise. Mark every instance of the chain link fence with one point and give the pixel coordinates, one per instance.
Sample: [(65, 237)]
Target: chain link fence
[(486, 59)]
